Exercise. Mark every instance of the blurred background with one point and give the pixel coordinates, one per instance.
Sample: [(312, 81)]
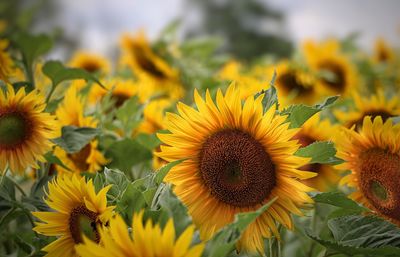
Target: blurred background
[(247, 28)]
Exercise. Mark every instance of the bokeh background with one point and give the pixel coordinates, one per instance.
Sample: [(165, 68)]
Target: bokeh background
[(247, 28)]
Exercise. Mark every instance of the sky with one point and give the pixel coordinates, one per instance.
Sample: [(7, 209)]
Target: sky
[(98, 24)]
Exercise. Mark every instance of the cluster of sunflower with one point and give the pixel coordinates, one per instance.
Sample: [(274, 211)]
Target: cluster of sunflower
[(177, 151)]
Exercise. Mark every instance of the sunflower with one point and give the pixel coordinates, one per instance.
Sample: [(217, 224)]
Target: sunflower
[(293, 84), (139, 56), (25, 129), (121, 90), (336, 73), (315, 130), (376, 105), (146, 240), (6, 63), (78, 211), (70, 113), (236, 160), (382, 52), (373, 157), (90, 62)]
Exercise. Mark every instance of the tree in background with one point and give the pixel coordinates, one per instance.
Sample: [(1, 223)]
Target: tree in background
[(249, 28)]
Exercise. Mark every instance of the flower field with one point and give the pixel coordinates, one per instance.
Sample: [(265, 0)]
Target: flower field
[(174, 149)]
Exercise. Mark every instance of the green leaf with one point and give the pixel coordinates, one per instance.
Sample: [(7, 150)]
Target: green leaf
[(356, 234), (338, 199), (270, 95), (116, 177), (162, 172), (73, 139), (33, 46), (131, 200), (321, 152), (58, 73), (364, 231), (149, 141), (129, 115), (126, 153), (337, 247), (7, 188), (223, 243), (52, 159), (298, 114)]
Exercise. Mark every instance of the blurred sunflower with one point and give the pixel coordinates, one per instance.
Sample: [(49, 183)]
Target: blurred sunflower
[(90, 62), (373, 157), (154, 115), (376, 105), (121, 90), (312, 131), (70, 113), (236, 160), (78, 211), (6, 63), (336, 73), (25, 129), (139, 56), (148, 240), (382, 52), (153, 121), (294, 85)]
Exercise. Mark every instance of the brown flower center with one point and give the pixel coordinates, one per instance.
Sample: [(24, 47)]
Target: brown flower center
[(379, 179), (120, 99), (83, 221), (146, 63), (80, 158), (290, 82), (91, 66), (338, 82), (236, 168), (15, 129)]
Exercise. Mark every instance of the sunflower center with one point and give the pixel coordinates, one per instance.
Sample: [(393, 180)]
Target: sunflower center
[(305, 140), (338, 82), (14, 129), (83, 221), (91, 66), (147, 64), (236, 168), (80, 158), (120, 99), (380, 180), (290, 82)]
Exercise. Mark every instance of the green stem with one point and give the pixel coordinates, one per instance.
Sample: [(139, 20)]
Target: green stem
[(50, 93), (17, 186)]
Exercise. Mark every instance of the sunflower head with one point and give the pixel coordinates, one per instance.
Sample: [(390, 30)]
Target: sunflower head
[(121, 90), (77, 210), (336, 73), (6, 63), (237, 158), (70, 113), (25, 129), (373, 157), (90, 62), (382, 52), (146, 240), (295, 84), (375, 105), (312, 131), (140, 57)]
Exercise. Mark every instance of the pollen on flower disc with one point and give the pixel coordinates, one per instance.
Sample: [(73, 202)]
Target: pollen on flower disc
[(379, 180), (236, 168)]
